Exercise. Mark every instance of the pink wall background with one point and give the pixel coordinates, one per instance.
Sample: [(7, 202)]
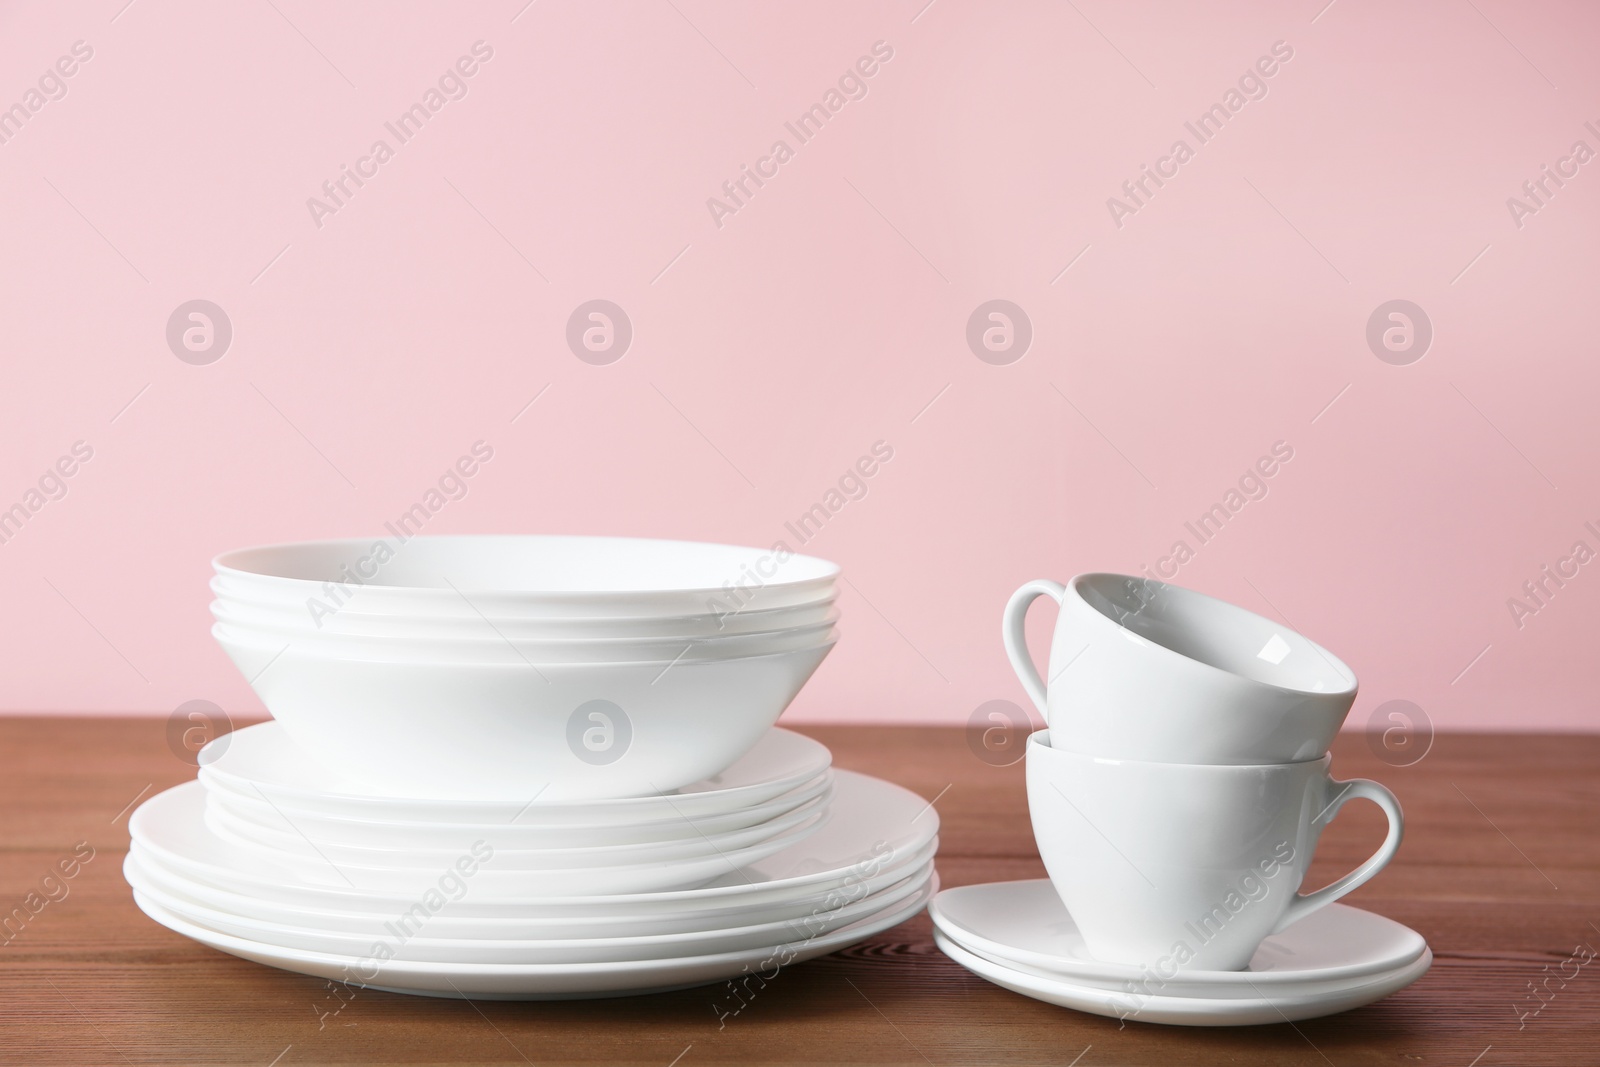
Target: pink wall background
[(828, 313)]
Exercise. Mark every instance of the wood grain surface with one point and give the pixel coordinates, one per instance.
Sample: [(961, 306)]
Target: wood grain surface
[(1500, 871)]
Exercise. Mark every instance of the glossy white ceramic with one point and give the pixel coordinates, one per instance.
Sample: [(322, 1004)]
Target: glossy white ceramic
[(317, 616), (1184, 1010), (417, 940), (1163, 862), (709, 908), (1024, 925), (874, 824), (540, 576), (493, 649), (517, 731), (262, 763), (321, 829), (290, 838), (477, 862), (543, 981), (1143, 670)]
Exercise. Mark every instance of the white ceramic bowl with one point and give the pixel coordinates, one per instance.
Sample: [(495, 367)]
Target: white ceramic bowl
[(510, 731), (467, 623), (492, 648), (534, 576)]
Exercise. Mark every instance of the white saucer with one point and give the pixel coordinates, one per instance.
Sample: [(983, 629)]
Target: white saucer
[(1185, 1011), (1019, 935), (548, 981), (262, 762), (1025, 925)]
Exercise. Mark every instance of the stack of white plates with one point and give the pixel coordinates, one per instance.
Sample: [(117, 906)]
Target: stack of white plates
[(779, 860), (537, 811)]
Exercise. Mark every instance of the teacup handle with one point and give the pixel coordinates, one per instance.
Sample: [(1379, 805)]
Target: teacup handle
[(1306, 903), (1013, 628)]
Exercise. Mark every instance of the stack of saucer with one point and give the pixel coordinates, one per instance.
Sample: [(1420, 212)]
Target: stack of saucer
[(527, 815), (1177, 797)]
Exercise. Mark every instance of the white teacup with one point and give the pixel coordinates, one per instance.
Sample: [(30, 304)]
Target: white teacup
[(1178, 867), (1143, 670)]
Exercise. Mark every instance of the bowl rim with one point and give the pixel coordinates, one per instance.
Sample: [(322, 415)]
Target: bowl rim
[(228, 563), (557, 667), (463, 641)]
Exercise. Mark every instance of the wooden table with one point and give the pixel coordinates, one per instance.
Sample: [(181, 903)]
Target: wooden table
[(1500, 870)]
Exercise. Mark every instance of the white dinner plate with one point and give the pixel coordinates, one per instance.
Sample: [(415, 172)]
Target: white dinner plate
[(262, 762), (874, 822), (289, 837), (415, 940), (185, 805), (600, 918), (1181, 1010), (374, 833), (1024, 925), (543, 981)]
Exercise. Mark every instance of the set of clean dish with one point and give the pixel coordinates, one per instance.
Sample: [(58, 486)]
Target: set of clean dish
[(527, 767), (1177, 797)]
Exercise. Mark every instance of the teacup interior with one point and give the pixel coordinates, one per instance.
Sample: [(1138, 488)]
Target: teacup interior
[(1215, 633)]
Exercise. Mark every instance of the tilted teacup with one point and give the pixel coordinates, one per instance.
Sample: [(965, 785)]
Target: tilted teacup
[(1144, 670)]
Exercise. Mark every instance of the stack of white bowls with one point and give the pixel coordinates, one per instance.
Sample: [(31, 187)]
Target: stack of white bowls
[(527, 767)]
